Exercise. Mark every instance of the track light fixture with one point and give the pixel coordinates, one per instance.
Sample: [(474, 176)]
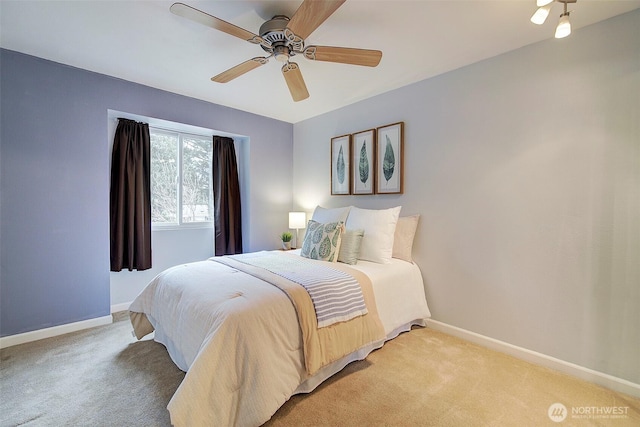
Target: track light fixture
[(564, 26), (544, 7), (541, 14)]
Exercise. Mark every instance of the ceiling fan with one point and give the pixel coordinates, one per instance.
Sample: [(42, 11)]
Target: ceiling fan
[(282, 38)]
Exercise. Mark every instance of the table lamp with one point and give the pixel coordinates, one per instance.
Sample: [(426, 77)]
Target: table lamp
[(297, 220)]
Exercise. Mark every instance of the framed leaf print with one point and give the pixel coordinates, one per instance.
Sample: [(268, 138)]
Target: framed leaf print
[(363, 165), (389, 160), (341, 165)]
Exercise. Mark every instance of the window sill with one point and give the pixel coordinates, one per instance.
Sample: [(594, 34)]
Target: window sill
[(176, 227)]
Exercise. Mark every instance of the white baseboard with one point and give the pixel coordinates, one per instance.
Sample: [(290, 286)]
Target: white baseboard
[(600, 378), (120, 307), (26, 337)]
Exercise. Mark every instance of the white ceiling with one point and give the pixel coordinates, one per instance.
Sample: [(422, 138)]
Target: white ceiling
[(141, 41)]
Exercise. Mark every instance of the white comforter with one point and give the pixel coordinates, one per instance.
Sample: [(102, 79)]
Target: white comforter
[(238, 339)]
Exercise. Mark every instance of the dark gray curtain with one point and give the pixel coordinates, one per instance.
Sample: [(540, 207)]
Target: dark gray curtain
[(226, 198), (130, 197)]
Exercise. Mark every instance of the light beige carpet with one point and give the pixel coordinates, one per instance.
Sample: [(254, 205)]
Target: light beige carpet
[(427, 378), (103, 377)]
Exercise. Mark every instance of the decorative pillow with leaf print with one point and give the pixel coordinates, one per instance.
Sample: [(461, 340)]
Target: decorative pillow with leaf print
[(322, 241)]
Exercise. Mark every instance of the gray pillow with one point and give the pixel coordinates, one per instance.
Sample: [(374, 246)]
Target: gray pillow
[(350, 246)]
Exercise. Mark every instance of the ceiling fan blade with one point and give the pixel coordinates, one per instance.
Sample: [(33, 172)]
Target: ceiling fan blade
[(293, 77), (201, 17), (344, 55), (240, 69), (310, 15)]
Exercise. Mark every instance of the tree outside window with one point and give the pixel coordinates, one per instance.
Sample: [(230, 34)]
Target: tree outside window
[(181, 190)]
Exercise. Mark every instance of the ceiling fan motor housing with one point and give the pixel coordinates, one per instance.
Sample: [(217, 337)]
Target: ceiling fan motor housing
[(283, 42)]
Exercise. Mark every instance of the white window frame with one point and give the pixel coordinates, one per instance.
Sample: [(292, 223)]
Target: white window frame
[(181, 225)]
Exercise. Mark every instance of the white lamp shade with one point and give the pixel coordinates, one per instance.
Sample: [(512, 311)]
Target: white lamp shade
[(541, 14), (297, 220), (541, 3), (564, 26)]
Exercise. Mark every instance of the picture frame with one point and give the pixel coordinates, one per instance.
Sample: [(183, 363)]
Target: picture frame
[(363, 164), (341, 165), (389, 159)]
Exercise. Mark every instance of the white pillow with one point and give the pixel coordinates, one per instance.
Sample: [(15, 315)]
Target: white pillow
[(379, 226), (403, 237), (325, 215)]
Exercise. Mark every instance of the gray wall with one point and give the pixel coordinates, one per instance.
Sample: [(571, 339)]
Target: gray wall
[(54, 171), (526, 171)]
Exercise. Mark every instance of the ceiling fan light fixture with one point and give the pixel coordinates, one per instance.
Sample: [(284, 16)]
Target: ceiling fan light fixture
[(281, 53), (540, 16), (564, 26)]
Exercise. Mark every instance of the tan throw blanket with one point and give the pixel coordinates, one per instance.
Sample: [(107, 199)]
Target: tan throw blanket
[(322, 345), (336, 295)]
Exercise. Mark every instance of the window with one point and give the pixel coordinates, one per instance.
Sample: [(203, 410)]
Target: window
[(181, 190)]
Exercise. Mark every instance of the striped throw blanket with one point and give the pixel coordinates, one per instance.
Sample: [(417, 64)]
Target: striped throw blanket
[(336, 295)]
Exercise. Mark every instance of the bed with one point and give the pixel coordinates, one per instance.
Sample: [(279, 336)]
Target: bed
[(236, 327)]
